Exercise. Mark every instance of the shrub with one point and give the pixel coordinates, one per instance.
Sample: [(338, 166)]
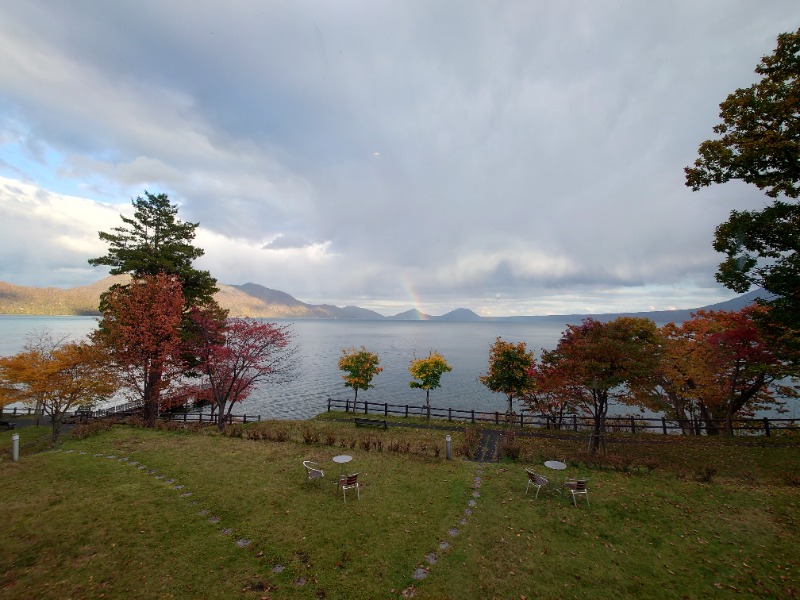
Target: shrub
[(81, 432), (509, 447), (310, 435)]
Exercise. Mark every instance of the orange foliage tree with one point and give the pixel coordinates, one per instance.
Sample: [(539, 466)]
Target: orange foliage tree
[(720, 363), (57, 376), (141, 330)]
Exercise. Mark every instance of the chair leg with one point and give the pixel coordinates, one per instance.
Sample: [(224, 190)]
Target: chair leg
[(575, 502), (538, 487)]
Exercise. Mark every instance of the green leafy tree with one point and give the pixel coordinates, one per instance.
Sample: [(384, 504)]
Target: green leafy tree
[(429, 372), (510, 368), (759, 143), (360, 366), (155, 241)]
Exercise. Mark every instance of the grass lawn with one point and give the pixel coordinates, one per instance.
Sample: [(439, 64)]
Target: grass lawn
[(135, 513)]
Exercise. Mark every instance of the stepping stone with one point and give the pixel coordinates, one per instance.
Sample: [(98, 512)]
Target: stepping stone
[(203, 513), (278, 569), (245, 542), (82, 452), (68, 451), (472, 503), (453, 532), (141, 467), (98, 454), (159, 477), (170, 481), (111, 456), (299, 582), (213, 519), (409, 592), (431, 558), (443, 545), (420, 573), (476, 494), (186, 494), (462, 522), (227, 531), (468, 512), (178, 487)]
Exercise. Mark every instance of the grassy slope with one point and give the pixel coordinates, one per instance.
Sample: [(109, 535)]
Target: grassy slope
[(85, 526)]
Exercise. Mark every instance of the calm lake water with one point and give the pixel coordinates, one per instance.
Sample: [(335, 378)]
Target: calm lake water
[(464, 345)]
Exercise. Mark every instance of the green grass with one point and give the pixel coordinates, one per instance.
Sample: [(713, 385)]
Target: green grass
[(678, 518)]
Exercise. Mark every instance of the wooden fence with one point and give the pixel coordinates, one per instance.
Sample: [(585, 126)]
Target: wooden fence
[(633, 424), (127, 409)]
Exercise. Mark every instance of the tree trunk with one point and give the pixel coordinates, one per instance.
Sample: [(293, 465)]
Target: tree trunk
[(151, 396), (601, 407), (708, 419)]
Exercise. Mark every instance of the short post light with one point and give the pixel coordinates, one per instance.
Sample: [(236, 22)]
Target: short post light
[(15, 447), (447, 446)]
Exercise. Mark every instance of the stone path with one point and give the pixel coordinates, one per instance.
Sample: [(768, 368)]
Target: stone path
[(432, 557), (487, 449)]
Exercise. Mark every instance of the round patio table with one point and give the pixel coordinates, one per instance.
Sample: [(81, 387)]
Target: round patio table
[(556, 466), (341, 460)]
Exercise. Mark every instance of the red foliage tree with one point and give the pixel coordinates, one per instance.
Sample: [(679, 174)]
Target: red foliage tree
[(238, 355), (597, 362), (141, 329)]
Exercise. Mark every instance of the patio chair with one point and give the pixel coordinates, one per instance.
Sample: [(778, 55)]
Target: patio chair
[(313, 471), (577, 486), (536, 480), (348, 482)]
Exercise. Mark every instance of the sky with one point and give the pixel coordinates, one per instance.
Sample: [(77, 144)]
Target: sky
[(510, 157)]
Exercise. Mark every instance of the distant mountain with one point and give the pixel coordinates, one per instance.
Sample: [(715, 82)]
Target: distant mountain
[(254, 300)]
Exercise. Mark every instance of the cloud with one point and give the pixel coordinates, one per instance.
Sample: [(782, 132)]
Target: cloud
[(350, 153)]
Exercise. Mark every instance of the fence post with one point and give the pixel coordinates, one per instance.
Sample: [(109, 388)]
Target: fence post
[(496, 418), (664, 425), (429, 411), (329, 405), (633, 426), (406, 411), (575, 422), (449, 414), (385, 409), (766, 426), (521, 420), (347, 405), (473, 416)]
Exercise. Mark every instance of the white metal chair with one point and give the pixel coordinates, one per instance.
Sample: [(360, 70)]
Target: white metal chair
[(349, 482), (577, 487), (536, 480), (313, 471)]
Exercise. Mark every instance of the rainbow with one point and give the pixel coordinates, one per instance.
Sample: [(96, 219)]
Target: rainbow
[(413, 297)]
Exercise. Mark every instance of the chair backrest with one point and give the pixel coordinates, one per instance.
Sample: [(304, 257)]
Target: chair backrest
[(351, 479), (580, 485), (541, 480), (310, 466)]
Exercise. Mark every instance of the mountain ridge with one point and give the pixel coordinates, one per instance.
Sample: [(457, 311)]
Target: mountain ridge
[(258, 301)]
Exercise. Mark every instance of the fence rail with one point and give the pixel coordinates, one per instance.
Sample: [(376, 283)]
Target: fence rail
[(126, 409), (633, 424)]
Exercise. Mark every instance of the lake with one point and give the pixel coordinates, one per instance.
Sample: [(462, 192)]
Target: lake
[(464, 345)]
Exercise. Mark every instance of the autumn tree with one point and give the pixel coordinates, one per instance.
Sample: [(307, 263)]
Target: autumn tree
[(237, 358), (601, 362), (58, 376), (733, 370), (140, 329), (759, 144), (548, 394), (428, 373), (360, 366), (509, 370)]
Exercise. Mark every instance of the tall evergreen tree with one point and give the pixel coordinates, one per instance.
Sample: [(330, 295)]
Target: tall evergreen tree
[(155, 241)]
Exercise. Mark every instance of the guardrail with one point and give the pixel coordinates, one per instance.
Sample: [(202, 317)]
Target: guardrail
[(633, 424)]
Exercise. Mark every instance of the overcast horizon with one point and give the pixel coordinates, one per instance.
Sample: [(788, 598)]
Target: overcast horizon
[(512, 158)]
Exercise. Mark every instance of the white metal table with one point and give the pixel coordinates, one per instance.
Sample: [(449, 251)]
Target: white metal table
[(556, 466), (341, 460)]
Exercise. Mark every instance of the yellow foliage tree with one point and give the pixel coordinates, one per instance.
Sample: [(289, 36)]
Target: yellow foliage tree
[(429, 372), (56, 376)]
